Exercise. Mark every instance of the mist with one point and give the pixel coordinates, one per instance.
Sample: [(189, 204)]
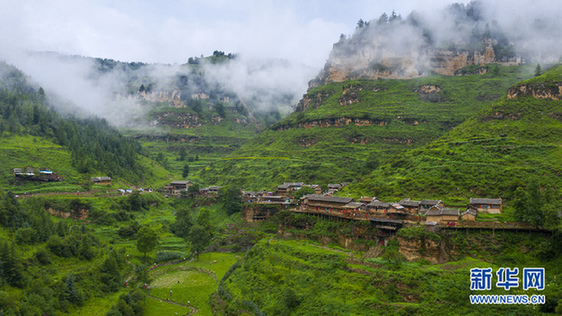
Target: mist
[(279, 49)]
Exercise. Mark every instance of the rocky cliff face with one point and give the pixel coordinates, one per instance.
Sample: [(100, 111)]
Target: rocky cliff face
[(371, 60), (550, 91), (414, 249)]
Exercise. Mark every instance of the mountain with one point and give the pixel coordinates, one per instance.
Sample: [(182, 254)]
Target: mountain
[(394, 85), (33, 134), (516, 138), (207, 107), (341, 131)]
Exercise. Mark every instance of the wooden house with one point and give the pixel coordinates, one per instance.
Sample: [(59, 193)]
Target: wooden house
[(214, 189), (441, 214), (396, 211), (287, 188), (274, 199), (427, 204), (378, 207), (316, 202), (367, 199), (334, 186), (101, 180), (411, 206), (181, 185), (386, 227), (486, 205), (469, 215), (18, 172)]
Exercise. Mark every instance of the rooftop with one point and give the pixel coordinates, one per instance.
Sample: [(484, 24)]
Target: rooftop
[(333, 199), (485, 201)]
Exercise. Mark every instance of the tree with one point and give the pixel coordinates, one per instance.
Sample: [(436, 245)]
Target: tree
[(199, 238), (183, 223), (182, 154), (538, 70), (204, 219), (303, 191), (147, 240), (230, 197), (185, 171)]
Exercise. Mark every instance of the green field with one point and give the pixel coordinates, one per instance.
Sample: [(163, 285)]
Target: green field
[(193, 281)]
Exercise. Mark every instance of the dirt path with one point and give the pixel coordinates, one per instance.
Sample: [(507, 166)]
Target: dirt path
[(193, 309)]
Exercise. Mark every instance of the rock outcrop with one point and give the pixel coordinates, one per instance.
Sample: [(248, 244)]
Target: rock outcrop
[(415, 249), (372, 60), (551, 91)]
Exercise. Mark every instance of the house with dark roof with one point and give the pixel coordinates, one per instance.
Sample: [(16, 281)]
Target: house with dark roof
[(101, 180), (181, 185), (469, 215), (316, 202), (386, 227), (397, 211), (378, 207), (410, 206), (441, 214), (493, 206), (287, 188)]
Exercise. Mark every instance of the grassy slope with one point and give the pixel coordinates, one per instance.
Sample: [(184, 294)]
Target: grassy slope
[(490, 154), (300, 277), (338, 154), (40, 152)]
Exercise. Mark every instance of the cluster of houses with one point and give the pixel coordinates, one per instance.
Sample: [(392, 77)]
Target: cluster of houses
[(406, 209), (364, 208), (179, 186), (35, 174)]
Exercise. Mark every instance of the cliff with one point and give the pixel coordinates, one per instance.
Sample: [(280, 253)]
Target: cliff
[(371, 60)]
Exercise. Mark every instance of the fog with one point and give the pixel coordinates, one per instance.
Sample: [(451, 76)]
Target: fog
[(279, 46)]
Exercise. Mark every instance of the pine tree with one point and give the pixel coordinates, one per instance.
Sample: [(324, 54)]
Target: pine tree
[(185, 171), (538, 70)]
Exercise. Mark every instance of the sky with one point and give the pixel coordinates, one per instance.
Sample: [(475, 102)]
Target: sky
[(171, 31)]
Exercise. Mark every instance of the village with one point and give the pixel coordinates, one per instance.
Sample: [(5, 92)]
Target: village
[(386, 217)]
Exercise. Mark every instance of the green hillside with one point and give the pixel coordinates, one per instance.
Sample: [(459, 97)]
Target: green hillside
[(342, 131), (292, 277), (516, 138), (33, 134)]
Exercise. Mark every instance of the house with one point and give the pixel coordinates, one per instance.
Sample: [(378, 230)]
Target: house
[(493, 206), (469, 215), (334, 186), (214, 189), (250, 196), (316, 202), (101, 180), (274, 199), (386, 227), (378, 207), (396, 211), (441, 214), (180, 185), (287, 188), (367, 199), (18, 172), (427, 204), (410, 206)]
